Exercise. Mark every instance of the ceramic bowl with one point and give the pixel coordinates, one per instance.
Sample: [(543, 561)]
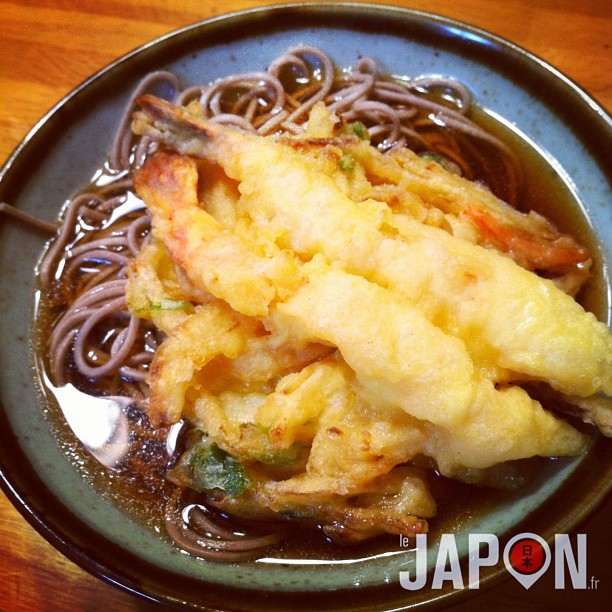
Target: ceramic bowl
[(62, 152)]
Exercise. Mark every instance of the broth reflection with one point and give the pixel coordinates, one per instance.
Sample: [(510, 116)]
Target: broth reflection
[(100, 423)]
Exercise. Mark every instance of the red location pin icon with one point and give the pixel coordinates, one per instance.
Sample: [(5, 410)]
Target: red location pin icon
[(527, 557)]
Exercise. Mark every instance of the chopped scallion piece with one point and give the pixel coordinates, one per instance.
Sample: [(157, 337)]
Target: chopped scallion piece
[(360, 130), (347, 163), (170, 305)]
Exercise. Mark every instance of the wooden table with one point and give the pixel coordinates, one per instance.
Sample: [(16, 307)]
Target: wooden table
[(50, 46)]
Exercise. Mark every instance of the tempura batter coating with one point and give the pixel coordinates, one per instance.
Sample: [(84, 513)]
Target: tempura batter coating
[(338, 330), (253, 279), (513, 319), (391, 346)]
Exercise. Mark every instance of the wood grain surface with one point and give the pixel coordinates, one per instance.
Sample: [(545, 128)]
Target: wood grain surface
[(50, 46)]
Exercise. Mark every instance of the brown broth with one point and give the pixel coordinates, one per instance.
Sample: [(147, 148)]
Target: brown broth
[(139, 488)]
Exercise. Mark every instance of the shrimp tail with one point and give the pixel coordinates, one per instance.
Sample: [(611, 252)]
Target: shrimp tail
[(173, 126), (553, 251)]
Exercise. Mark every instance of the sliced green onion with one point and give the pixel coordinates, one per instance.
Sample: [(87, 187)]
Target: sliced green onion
[(164, 304), (441, 160), (360, 130), (347, 163)]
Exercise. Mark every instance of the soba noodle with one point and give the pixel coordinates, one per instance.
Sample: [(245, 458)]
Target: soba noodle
[(95, 338), (195, 529)]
